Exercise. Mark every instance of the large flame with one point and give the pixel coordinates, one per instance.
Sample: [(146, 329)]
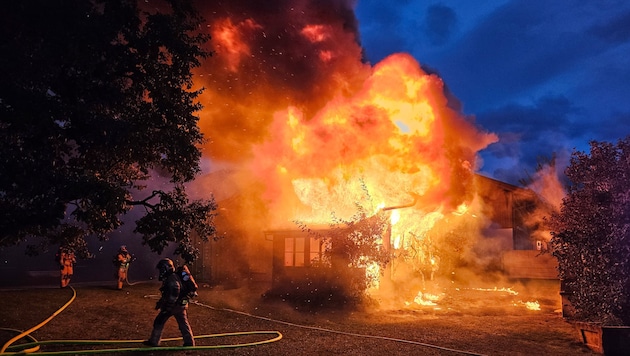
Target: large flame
[(395, 135), (290, 103)]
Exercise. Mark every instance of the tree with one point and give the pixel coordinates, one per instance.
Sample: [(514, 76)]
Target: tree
[(96, 97), (591, 233)]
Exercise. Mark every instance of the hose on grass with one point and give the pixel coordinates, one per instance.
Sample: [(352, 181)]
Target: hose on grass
[(25, 350), (27, 332), (341, 332), (34, 346)]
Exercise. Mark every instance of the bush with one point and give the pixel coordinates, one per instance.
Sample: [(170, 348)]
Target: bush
[(591, 234)]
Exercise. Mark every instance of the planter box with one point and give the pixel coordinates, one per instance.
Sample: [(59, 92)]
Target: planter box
[(607, 340)]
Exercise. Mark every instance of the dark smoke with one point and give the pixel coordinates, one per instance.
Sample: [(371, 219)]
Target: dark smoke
[(268, 56)]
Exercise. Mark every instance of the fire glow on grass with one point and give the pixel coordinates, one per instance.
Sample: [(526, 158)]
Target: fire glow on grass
[(424, 299), (529, 305), (508, 290), (289, 100)]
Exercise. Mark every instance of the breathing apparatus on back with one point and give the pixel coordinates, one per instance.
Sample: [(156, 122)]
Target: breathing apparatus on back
[(189, 286)]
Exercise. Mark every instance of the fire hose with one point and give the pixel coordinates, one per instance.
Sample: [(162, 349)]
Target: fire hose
[(34, 346), (127, 278), (27, 332), (341, 332)]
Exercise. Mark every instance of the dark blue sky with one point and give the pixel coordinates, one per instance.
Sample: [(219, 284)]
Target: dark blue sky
[(546, 76)]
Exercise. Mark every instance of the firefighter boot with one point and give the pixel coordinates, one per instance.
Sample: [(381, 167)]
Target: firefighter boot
[(154, 340)]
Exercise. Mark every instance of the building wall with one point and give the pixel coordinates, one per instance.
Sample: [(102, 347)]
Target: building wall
[(530, 264)]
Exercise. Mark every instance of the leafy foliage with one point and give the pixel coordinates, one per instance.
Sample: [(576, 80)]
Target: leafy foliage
[(96, 97), (173, 219), (591, 236), (357, 242), (353, 245)]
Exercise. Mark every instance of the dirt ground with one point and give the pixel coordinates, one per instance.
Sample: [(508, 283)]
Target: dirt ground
[(467, 321)]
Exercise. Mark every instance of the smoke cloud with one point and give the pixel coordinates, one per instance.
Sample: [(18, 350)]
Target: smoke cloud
[(268, 56)]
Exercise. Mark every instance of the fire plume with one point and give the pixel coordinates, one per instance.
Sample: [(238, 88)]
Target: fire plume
[(396, 134), (291, 105)]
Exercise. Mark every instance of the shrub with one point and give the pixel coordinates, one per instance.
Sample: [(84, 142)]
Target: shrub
[(591, 235), (352, 246)]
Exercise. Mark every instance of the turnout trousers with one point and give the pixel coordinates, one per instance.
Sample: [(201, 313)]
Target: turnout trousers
[(180, 312)]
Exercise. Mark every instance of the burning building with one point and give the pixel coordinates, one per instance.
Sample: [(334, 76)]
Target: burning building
[(301, 128)]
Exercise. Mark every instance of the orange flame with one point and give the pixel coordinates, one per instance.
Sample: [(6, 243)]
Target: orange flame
[(290, 103), (228, 39), (396, 134)]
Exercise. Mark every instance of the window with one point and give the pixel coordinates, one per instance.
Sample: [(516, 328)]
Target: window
[(316, 251), (303, 251), (294, 251)]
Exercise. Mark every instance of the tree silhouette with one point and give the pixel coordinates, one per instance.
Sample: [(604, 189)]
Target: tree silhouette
[(96, 97)]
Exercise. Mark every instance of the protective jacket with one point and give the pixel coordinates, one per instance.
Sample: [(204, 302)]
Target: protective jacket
[(171, 303), (171, 288), (66, 260), (122, 261)]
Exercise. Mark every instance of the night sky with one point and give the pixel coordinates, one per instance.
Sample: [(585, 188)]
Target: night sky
[(546, 76)]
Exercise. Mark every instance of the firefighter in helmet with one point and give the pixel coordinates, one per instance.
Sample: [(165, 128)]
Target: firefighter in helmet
[(66, 259), (122, 260), (173, 302)]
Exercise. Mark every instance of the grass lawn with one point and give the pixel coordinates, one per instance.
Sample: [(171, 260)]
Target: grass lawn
[(469, 322)]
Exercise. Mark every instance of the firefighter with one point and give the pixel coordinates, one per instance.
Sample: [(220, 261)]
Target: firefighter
[(173, 302), (121, 261), (66, 259)]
